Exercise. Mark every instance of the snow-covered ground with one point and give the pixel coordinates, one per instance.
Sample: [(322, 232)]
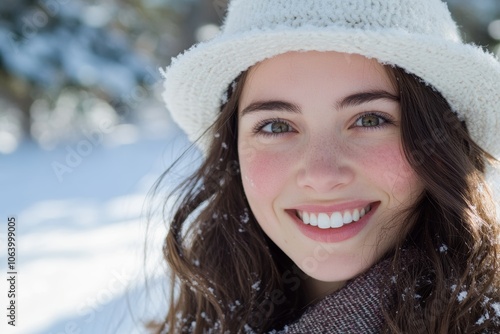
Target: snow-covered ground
[(81, 234)]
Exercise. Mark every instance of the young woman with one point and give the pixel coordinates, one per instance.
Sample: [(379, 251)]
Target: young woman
[(344, 185)]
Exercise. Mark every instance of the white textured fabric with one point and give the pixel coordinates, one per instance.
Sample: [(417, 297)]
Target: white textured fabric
[(417, 35)]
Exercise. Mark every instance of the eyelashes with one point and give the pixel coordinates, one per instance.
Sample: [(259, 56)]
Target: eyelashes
[(375, 116), (280, 127), (275, 127)]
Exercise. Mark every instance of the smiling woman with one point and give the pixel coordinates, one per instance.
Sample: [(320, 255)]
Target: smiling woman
[(360, 201), (323, 134)]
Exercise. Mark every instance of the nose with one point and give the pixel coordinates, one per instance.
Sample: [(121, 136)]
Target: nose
[(324, 167)]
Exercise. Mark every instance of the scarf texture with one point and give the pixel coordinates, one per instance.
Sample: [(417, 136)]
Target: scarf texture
[(355, 308)]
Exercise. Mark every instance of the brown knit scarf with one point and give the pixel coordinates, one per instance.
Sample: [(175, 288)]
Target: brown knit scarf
[(355, 308)]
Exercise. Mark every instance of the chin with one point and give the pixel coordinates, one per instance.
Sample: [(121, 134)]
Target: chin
[(336, 268)]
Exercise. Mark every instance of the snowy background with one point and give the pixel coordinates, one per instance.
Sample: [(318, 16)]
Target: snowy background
[(84, 136), (80, 242)]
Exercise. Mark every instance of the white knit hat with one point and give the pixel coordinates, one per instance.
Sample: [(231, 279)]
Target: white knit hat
[(417, 35)]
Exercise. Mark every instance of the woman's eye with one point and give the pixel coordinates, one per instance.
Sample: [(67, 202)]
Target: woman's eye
[(275, 127), (370, 120)]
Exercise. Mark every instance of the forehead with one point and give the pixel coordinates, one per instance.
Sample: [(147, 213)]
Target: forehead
[(339, 73)]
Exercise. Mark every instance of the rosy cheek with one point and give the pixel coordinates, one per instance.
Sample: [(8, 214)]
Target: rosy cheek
[(388, 166), (265, 172)]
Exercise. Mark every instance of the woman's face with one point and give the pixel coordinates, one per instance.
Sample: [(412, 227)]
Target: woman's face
[(321, 160)]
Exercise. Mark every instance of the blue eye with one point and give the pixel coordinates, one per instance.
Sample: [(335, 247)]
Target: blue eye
[(371, 120)]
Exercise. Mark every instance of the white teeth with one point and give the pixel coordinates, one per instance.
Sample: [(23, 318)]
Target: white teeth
[(323, 221), (355, 215), (347, 217), (313, 219), (335, 220), (305, 218)]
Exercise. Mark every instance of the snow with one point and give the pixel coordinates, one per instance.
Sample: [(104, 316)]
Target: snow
[(443, 248), (496, 308), (461, 296), (483, 318), (91, 54), (80, 242)]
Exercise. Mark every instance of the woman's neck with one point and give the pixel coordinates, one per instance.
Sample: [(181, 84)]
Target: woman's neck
[(316, 290)]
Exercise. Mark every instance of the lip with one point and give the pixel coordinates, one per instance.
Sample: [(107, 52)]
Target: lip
[(314, 208), (332, 235)]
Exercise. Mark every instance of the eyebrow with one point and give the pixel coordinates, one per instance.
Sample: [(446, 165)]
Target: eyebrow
[(348, 101), (365, 97), (271, 105)]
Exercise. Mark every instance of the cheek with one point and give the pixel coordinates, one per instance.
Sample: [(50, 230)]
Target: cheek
[(387, 166), (264, 172)]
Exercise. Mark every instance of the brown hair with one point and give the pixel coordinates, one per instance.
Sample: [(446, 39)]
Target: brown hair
[(227, 275), (456, 285)]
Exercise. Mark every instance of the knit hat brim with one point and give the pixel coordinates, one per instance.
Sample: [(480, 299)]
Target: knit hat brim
[(467, 76)]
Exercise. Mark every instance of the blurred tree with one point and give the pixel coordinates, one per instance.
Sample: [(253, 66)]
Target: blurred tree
[(80, 50), (474, 17)]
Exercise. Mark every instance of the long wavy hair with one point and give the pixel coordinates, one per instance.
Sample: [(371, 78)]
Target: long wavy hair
[(227, 276)]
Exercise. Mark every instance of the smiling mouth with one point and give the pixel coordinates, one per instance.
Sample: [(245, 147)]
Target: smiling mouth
[(336, 219)]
